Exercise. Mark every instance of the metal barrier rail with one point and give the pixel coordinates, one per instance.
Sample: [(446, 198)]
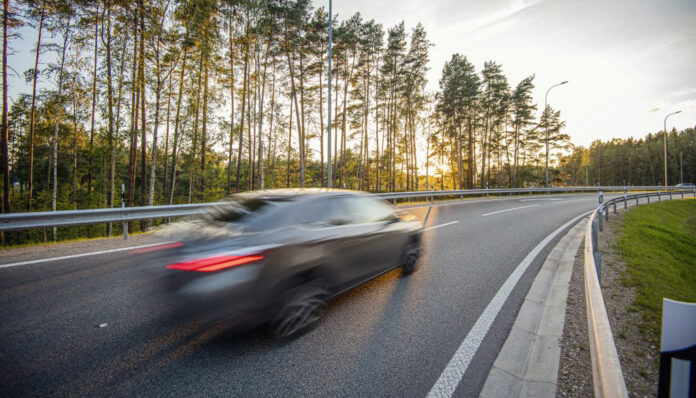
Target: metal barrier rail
[(68, 218), (607, 375)]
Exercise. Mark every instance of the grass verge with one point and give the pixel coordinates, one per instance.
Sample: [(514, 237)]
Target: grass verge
[(658, 244)]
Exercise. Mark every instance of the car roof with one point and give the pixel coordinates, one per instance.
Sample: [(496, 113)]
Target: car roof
[(294, 193)]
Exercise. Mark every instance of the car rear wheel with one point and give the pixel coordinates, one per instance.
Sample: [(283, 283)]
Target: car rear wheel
[(301, 308), (412, 253)]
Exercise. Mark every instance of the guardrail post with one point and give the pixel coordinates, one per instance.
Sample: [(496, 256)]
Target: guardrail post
[(123, 214), (659, 196), (636, 200), (614, 207), (599, 218), (682, 194), (670, 195), (606, 213), (598, 265), (648, 196), (625, 197)]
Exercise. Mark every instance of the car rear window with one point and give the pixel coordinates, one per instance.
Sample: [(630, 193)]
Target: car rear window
[(257, 213)]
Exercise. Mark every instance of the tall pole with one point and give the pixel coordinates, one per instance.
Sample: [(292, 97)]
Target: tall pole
[(681, 167), (665, 143), (328, 173), (546, 101)]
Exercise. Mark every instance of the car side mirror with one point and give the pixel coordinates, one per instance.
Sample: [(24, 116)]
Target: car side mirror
[(392, 220)]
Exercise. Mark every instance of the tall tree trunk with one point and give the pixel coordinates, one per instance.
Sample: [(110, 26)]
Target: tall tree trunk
[(301, 122), (74, 149), (110, 111), (205, 128), (229, 156), (94, 101), (32, 114), (378, 160), (194, 140), (460, 160), (5, 127), (143, 114), (261, 101), (271, 141), (54, 193), (241, 115), (289, 145), (297, 115), (177, 120), (321, 115), (165, 156), (484, 150), (135, 100), (251, 141)]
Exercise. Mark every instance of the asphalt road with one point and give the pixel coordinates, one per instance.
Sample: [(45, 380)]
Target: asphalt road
[(98, 325)]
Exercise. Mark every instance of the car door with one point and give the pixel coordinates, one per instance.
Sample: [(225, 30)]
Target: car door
[(380, 234), (330, 230)]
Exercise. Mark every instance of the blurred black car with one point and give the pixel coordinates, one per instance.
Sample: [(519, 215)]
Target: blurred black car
[(277, 256)]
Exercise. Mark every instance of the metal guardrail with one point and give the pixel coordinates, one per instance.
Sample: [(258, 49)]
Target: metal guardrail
[(607, 375), (68, 218)]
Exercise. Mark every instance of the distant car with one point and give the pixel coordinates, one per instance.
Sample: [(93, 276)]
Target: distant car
[(685, 185), (277, 256)]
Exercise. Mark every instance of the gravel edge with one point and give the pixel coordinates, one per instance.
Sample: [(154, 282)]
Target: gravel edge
[(638, 355)]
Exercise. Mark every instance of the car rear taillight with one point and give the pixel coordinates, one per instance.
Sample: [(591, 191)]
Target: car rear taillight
[(216, 263)]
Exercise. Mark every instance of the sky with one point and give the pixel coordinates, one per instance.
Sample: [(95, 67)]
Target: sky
[(628, 62)]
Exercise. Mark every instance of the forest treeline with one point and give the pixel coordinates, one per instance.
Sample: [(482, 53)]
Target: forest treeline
[(181, 101)]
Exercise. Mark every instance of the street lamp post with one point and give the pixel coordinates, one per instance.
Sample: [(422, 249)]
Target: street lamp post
[(665, 143), (546, 97), (329, 175)]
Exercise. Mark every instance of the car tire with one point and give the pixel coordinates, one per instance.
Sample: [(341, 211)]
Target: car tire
[(411, 259), (300, 309)]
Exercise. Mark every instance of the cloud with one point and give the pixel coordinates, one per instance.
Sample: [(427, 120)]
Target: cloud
[(514, 7), (685, 92)]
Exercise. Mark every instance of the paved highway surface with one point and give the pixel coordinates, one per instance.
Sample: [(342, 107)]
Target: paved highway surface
[(98, 325)]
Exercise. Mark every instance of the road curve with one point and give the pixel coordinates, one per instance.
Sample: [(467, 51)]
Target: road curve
[(97, 325)]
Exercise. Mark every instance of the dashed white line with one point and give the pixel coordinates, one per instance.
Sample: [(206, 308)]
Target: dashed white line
[(573, 200), (448, 381), (441, 225), (503, 211), (45, 260), (534, 200)]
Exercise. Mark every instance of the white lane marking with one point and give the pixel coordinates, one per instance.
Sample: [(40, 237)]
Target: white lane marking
[(45, 260), (503, 211), (441, 225), (574, 200), (533, 200), (406, 206), (448, 381)]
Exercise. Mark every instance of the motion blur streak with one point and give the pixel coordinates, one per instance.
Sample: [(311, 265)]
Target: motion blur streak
[(155, 248), (215, 263)]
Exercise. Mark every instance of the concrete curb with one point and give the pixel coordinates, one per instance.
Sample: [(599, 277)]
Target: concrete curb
[(527, 365)]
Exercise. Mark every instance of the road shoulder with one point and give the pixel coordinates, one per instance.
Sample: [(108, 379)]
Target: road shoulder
[(528, 363)]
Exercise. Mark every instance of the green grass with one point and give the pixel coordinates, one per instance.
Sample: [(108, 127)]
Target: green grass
[(658, 244)]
